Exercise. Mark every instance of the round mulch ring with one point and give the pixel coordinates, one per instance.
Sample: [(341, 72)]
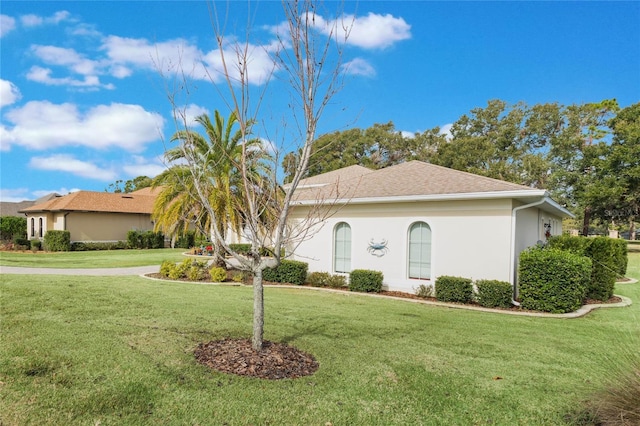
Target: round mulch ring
[(275, 361)]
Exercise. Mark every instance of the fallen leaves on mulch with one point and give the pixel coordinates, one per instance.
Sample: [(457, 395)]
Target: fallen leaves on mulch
[(275, 361)]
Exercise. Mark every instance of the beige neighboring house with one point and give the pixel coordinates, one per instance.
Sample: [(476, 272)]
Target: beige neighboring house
[(92, 216), (416, 221)]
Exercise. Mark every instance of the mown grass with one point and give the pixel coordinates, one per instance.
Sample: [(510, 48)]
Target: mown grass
[(118, 350), (90, 259)]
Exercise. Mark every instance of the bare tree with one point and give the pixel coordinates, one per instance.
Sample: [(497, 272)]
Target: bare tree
[(307, 58)]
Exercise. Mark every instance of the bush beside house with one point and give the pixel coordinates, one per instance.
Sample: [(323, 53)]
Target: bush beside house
[(608, 257), (553, 280)]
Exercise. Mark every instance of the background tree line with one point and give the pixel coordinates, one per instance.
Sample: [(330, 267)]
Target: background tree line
[(587, 156)]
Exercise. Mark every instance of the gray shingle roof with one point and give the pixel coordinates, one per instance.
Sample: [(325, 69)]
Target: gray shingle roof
[(413, 178)]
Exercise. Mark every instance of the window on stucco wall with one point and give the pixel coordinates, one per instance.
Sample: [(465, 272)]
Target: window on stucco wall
[(33, 227), (420, 251), (342, 248), (40, 227)]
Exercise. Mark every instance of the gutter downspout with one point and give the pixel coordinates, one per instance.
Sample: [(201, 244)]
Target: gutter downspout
[(512, 260)]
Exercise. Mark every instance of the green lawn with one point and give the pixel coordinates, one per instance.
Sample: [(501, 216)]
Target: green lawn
[(118, 350), (90, 259)]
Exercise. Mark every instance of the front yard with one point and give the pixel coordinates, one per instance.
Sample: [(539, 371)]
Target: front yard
[(119, 350)]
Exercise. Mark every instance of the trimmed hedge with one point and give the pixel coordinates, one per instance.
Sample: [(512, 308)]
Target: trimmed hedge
[(57, 241), (454, 289), (553, 280), (288, 271), (608, 257), (366, 281), (93, 246), (494, 293), (145, 239)]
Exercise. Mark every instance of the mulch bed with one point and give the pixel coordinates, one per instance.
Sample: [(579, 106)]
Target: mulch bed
[(275, 361)]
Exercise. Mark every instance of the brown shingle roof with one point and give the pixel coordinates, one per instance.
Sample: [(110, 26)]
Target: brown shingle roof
[(97, 202), (413, 178)]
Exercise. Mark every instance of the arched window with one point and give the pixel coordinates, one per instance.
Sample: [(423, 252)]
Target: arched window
[(420, 251), (40, 224), (342, 248), (33, 227)]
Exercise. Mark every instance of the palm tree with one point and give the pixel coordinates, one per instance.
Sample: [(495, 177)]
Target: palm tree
[(218, 178)]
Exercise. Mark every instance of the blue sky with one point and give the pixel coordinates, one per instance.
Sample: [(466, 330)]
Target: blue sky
[(83, 102)]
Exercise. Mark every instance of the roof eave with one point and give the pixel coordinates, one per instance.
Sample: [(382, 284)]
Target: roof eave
[(518, 194)]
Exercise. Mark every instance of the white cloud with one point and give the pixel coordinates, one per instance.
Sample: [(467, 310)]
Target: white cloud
[(43, 75), (9, 93), (180, 55), (69, 164), (43, 125), (188, 114), (377, 31), (359, 66), (14, 195), (32, 20), (144, 167), (53, 55), (446, 130), (408, 135), (7, 24), (62, 191)]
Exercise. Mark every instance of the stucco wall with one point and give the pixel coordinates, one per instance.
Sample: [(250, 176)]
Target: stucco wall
[(105, 226), (469, 239)]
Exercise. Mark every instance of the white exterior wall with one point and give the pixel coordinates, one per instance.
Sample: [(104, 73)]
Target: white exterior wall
[(469, 239)]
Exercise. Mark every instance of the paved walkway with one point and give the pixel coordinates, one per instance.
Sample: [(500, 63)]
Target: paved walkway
[(136, 270)]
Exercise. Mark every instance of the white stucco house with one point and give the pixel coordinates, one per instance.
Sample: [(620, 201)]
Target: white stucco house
[(416, 221)]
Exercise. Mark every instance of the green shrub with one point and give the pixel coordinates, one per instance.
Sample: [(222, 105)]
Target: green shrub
[(36, 245), (337, 281), (57, 241), (424, 291), (197, 271), (621, 257), (23, 242), (608, 257), (186, 241), (218, 274), (240, 248), (454, 289), (289, 271), (145, 239), (239, 276), (318, 279), (180, 270), (494, 293), (365, 280), (12, 227), (553, 280), (602, 251), (166, 267), (92, 246)]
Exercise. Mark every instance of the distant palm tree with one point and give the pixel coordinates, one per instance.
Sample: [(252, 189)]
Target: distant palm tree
[(219, 155)]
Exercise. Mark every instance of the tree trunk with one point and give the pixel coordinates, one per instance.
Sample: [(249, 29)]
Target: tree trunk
[(632, 228), (258, 310), (218, 255), (587, 220)]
